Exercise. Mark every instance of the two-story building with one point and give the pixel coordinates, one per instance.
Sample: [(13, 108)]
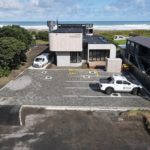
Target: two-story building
[(74, 44), (138, 52)]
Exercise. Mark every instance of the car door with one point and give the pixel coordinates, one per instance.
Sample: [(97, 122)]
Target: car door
[(119, 85), (127, 86)]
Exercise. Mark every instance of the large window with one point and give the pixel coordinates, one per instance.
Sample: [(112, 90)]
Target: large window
[(75, 57), (98, 55)]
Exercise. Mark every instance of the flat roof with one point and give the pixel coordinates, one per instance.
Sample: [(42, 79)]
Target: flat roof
[(144, 41), (95, 40), (75, 24), (68, 30)]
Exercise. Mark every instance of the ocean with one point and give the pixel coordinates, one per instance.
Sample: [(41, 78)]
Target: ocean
[(98, 25)]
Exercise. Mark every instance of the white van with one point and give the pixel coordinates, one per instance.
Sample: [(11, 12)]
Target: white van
[(41, 60)]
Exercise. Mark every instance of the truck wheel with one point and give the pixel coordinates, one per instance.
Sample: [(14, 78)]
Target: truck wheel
[(109, 91), (135, 91)]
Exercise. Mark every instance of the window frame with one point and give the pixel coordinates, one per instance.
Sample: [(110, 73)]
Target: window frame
[(75, 57)]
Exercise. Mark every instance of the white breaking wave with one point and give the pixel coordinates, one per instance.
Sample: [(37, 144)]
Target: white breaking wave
[(123, 27), (100, 27), (36, 27)]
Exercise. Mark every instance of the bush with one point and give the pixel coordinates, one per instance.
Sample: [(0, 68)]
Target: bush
[(18, 33), (11, 52), (4, 72), (42, 35)]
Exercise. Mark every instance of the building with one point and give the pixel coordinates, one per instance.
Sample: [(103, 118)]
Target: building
[(75, 44), (138, 53)]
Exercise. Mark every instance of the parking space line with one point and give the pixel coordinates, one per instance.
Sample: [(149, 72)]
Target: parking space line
[(73, 72), (82, 81), (80, 88), (97, 73), (86, 108), (104, 96), (127, 97), (70, 96)]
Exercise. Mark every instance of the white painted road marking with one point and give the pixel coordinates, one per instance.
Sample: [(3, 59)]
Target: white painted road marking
[(79, 88), (85, 108), (93, 96), (82, 81), (70, 96)]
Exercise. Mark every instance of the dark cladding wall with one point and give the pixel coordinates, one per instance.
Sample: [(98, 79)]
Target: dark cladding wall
[(143, 78)]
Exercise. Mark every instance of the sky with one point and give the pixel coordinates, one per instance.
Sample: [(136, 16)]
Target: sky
[(75, 10)]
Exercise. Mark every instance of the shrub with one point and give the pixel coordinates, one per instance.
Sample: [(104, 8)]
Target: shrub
[(42, 35), (11, 52), (4, 72), (18, 33)]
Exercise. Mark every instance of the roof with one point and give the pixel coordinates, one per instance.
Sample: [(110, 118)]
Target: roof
[(144, 41), (95, 40), (68, 30), (75, 24)]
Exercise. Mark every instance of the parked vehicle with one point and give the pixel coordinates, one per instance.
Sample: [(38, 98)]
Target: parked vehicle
[(42, 60), (118, 83), (120, 37)]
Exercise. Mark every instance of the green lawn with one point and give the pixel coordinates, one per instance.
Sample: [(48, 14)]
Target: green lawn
[(121, 42), (109, 35), (41, 42)]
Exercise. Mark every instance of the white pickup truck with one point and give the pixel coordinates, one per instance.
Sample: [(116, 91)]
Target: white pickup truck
[(118, 83)]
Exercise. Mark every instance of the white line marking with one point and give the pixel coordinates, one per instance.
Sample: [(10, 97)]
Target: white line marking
[(85, 108), (20, 116), (90, 96), (127, 97), (79, 88), (115, 95), (81, 76), (71, 96), (82, 81)]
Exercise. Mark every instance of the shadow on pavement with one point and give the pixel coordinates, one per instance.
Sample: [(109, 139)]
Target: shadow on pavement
[(94, 87), (9, 115)]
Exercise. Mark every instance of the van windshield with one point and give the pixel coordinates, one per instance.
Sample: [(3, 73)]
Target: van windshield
[(39, 59)]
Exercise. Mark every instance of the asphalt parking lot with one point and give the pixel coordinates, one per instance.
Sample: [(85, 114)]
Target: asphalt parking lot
[(75, 130), (64, 87)]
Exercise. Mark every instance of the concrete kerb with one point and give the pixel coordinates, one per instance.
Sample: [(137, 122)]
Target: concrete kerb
[(77, 108)]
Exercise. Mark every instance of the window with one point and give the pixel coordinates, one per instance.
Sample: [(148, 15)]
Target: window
[(132, 44), (98, 55), (137, 47), (75, 57), (128, 42), (119, 82), (90, 31), (127, 83)]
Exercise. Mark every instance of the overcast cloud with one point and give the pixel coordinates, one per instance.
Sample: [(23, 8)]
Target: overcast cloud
[(74, 10)]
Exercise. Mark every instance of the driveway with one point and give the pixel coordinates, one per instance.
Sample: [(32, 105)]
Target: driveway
[(64, 87)]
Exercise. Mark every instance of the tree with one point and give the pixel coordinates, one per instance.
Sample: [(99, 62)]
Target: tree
[(18, 33), (42, 35), (11, 52)]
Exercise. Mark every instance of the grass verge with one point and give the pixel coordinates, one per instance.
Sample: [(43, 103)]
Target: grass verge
[(138, 114)]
